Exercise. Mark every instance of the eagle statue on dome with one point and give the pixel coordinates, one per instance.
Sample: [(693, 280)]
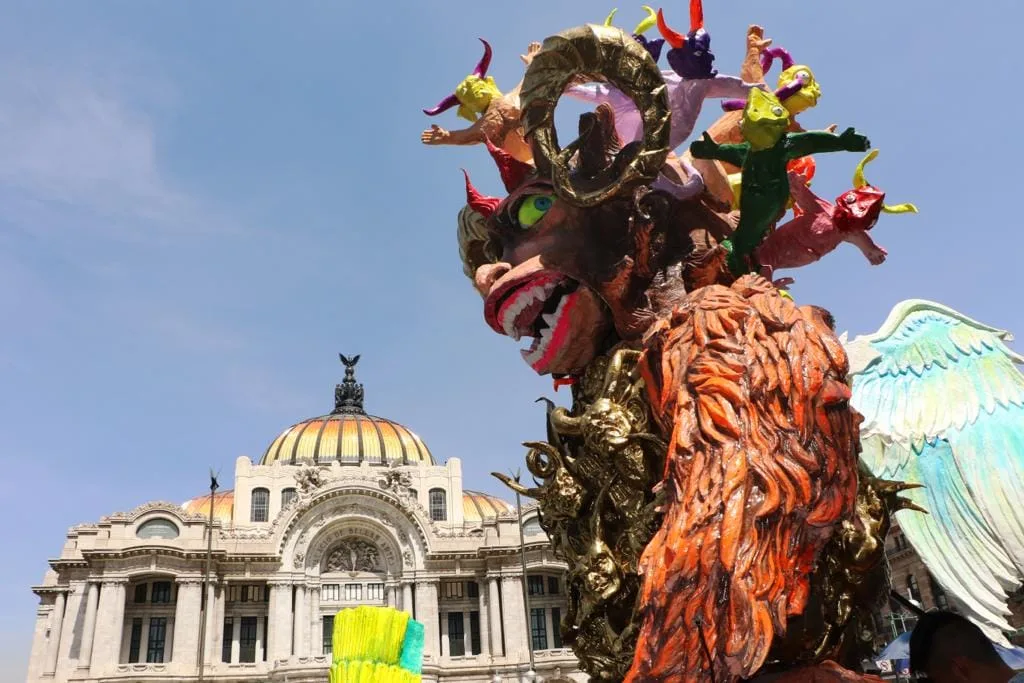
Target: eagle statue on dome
[(704, 486)]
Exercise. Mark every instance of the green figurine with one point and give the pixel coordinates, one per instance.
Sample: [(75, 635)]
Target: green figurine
[(763, 158)]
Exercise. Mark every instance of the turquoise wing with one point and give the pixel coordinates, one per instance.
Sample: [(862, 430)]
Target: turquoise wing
[(943, 406)]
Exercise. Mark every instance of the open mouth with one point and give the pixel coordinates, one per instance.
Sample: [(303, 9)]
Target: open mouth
[(540, 307)]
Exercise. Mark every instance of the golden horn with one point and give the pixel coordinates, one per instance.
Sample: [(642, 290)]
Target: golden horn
[(858, 173), (648, 22), (611, 15), (899, 208)]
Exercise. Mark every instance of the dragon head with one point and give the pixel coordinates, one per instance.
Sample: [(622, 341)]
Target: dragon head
[(765, 120), (690, 55), (859, 208)]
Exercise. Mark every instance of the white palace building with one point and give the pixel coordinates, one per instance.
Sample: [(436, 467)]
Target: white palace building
[(343, 509)]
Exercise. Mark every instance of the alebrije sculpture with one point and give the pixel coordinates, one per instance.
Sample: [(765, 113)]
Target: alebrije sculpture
[(823, 226), (704, 487), (653, 46), (804, 168), (691, 80), (797, 88), (376, 645), (495, 116), (763, 156), (942, 397)]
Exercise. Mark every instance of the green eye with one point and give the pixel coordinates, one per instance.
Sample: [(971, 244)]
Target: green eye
[(533, 209)]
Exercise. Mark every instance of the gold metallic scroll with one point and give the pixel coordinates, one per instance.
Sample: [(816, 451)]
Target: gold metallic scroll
[(601, 54)]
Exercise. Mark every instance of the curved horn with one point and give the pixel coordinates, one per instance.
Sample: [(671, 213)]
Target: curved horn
[(442, 106), (595, 53), (564, 423), (773, 53), (611, 15), (859, 180), (648, 22), (513, 172), (485, 61), (899, 208), (696, 15), (482, 204), (674, 39)]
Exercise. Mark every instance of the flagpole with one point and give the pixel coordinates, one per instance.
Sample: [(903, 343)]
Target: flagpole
[(206, 580)]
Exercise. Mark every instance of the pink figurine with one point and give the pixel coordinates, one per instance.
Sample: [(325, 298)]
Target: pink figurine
[(822, 226)]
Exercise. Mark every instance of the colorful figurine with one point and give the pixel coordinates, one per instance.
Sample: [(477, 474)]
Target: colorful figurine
[(823, 226), (495, 116), (690, 81), (653, 46), (767, 149), (942, 397), (797, 88)]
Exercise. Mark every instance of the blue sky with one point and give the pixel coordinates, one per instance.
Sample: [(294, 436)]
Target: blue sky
[(202, 203)]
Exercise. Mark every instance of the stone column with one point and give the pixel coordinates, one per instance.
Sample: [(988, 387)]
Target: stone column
[(236, 639), (72, 607), (484, 618), (56, 626), (299, 619), (494, 616), (106, 649), (212, 625), (514, 616), (426, 612), (314, 622), (280, 640), (92, 599), (186, 625), (218, 623), (407, 597)]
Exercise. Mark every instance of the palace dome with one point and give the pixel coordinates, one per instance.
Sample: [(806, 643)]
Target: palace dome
[(348, 434)]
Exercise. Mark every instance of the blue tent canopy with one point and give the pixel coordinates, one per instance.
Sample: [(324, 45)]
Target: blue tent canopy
[(900, 649)]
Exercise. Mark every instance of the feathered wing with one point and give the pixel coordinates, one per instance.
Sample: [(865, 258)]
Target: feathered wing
[(761, 466), (943, 406)]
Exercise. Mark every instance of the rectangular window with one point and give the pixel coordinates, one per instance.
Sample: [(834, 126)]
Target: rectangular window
[(330, 592), (328, 636), (225, 642), (374, 591), (556, 627), (472, 589), (247, 640), (248, 592), (353, 591), (266, 624), (535, 584), (453, 590), (136, 640), (474, 631), (161, 591), (287, 496), (157, 638), (538, 629), (552, 585), (456, 634), (140, 593)]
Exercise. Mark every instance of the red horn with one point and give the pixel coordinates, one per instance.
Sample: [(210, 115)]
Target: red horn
[(673, 38), (485, 61), (513, 172), (485, 206), (696, 15)]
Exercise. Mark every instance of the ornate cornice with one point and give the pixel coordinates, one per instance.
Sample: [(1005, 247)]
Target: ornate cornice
[(154, 506)]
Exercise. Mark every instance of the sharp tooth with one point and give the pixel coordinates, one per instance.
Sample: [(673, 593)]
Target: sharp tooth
[(550, 319)]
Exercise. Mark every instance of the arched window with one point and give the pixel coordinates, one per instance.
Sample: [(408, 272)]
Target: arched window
[(157, 528), (414, 494), (260, 508), (941, 601), (438, 505), (913, 591), (287, 496)]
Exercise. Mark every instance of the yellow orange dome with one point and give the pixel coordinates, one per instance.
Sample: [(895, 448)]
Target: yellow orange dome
[(223, 505), (347, 434), (477, 506)]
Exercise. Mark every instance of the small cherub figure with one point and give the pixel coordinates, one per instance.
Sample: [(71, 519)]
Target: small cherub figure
[(823, 226), (495, 116), (763, 156)]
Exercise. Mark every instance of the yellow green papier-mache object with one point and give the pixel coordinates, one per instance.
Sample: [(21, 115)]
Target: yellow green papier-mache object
[(376, 645)]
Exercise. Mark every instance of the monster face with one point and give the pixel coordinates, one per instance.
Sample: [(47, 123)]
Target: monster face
[(807, 96), (858, 209), (765, 120), (690, 56)]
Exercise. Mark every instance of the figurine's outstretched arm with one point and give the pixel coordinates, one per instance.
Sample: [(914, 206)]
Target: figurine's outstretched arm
[(816, 142), (803, 197), (706, 148), (751, 70), (531, 51), (488, 126), (862, 240), (731, 87)]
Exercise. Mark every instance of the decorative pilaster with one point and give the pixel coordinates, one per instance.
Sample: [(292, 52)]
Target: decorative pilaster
[(92, 598), (210, 654), (186, 624), (217, 653), (514, 616), (106, 649), (485, 635), (314, 622), (280, 636), (56, 626), (494, 616), (407, 597), (299, 618), (72, 608), (427, 613)]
